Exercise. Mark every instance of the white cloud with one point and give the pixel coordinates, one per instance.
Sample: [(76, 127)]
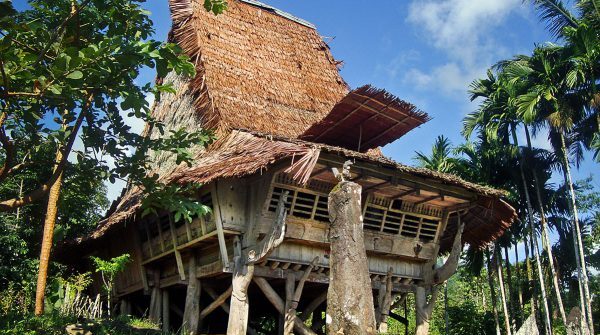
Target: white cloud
[(459, 26), (462, 29), (417, 78)]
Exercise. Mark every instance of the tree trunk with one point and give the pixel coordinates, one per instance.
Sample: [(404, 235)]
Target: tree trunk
[(544, 302), (424, 308), (349, 297), (518, 275), (500, 273), (529, 269), (546, 240), (510, 290), (579, 254), (490, 270), (531, 220), (47, 240)]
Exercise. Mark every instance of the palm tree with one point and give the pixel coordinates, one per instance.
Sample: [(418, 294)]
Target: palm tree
[(550, 101), (440, 159), (497, 118)]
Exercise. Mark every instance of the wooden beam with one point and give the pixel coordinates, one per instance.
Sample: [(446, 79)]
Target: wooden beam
[(312, 306), (138, 254), (428, 199), (279, 305), (178, 260), (216, 303), (219, 224), (319, 171), (342, 120), (423, 183), (374, 186), (403, 194), (225, 307), (294, 296)]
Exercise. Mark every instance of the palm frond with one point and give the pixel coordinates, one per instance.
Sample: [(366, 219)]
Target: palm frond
[(556, 15)]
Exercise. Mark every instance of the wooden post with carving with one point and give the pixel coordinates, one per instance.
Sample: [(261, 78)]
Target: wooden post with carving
[(431, 278), (350, 308), (243, 270)]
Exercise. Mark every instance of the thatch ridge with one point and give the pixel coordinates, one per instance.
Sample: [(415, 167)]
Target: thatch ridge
[(257, 66)]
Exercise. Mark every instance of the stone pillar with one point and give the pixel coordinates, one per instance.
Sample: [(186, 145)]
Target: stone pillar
[(350, 307)]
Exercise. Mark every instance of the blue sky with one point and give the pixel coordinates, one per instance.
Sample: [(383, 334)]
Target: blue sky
[(425, 52)]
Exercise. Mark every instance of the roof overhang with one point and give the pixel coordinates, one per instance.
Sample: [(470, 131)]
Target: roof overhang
[(366, 118)]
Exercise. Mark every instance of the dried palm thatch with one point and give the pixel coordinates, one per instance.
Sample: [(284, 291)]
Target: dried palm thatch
[(244, 153), (366, 118), (257, 67)]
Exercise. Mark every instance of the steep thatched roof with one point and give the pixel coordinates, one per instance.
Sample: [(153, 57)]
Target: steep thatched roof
[(259, 67), (271, 75)]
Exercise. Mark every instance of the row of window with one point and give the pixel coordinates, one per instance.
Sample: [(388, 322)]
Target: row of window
[(380, 214)]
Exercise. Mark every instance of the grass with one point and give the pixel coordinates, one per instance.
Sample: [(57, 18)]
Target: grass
[(55, 324)]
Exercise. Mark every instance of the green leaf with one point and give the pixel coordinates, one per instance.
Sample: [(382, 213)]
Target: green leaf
[(75, 75)]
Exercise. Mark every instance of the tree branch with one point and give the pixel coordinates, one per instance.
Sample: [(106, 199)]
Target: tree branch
[(35, 195)]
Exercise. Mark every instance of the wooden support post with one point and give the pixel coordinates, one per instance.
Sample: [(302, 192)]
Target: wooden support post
[(137, 247), (178, 260), (191, 313), (148, 238), (155, 312), (166, 317), (290, 311), (384, 302), (220, 300), (424, 308), (350, 298), (279, 305), (288, 322), (160, 235), (241, 277)]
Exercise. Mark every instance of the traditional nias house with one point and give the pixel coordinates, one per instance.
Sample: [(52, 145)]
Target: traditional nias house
[(261, 261)]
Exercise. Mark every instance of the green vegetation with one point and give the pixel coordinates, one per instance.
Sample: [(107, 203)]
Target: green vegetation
[(553, 90)]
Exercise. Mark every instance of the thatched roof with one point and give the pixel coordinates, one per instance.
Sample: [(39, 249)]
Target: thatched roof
[(258, 67), (271, 75), (366, 118), (243, 153)]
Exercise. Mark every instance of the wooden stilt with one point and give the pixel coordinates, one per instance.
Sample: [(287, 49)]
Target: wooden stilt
[(155, 312), (242, 275), (166, 320), (279, 304), (312, 306), (290, 312), (350, 296), (191, 313), (288, 322), (243, 269), (385, 302)]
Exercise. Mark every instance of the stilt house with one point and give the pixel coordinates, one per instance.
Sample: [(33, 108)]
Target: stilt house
[(270, 88)]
